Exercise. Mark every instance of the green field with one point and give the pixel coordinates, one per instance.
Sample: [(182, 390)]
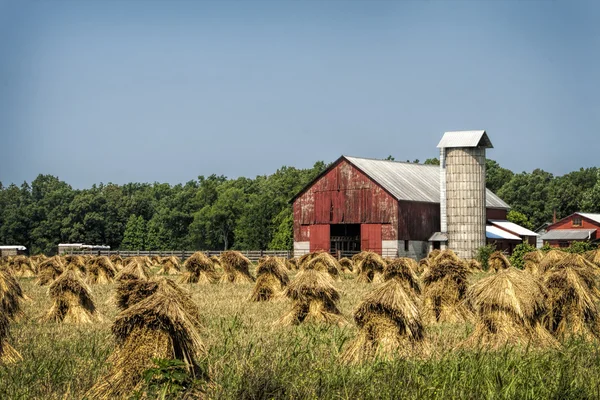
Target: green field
[(249, 358)]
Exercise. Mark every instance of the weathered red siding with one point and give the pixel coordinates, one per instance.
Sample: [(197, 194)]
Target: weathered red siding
[(370, 237), (417, 221), (319, 237), (494, 213), (344, 195)]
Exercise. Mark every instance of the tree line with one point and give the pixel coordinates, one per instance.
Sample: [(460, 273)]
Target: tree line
[(215, 212)]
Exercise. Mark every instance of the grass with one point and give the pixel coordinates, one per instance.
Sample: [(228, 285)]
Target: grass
[(251, 359)]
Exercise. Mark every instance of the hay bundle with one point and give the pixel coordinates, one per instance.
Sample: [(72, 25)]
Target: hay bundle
[(532, 262), (313, 298), (347, 265), (306, 258), (271, 279), (433, 254), (135, 269), (369, 267), (72, 301), (8, 354), (100, 270), (474, 265), (236, 268), (76, 264), (424, 265), (510, 309), (400, 270), (498, 261), (593, 256), (11, 296), (164, 325), (324, 262), (291, 264), (216, 261), (199, 269), (573, 298), (551, 258), (156, 260), (117, 261), (49, 270), (444, 290), (170, 266), (22, 267), (389, 324)]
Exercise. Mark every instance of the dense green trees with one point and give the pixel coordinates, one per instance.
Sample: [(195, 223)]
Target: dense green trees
[(217, 213)]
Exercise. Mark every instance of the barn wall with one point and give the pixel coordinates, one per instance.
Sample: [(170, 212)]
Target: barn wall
[(344, 195), (495, 213), (417, 221)]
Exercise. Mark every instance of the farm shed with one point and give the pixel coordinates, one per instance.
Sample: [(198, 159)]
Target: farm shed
[(506, 235), (390, 207), (12, 250), (577, 227)]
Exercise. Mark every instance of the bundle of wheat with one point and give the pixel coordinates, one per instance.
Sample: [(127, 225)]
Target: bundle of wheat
[(313, 298), (444, 290), (509, 309), (72, 301), (433, 254), (474, 265), (49, 270), (170, 266), (498, 261), (76, 264), (306, 258), (347, 265), (236, 268), (400, 269), (532, 262), (11, 296), (21, 266), (8, 354), (593, 256), (324, 262), (369, 267), (389, 322), (573, 298), (100, 270), (424, 265), (551, 258), (164, 325), (291, 264), (271, 279), (135, 269), (117, 261), (199, 269)]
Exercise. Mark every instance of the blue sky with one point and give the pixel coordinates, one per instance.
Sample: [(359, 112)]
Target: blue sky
[(145, 91)]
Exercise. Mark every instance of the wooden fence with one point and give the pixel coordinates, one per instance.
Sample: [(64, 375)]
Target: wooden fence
[(253, 255)]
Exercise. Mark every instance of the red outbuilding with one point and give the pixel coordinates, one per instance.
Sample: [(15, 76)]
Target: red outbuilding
[(577, 227)]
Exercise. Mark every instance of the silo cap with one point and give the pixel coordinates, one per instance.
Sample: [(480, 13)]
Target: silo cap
[(465, 139)]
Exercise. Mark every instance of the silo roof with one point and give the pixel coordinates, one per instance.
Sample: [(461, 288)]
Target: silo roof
[(465, 139), (411, 181)]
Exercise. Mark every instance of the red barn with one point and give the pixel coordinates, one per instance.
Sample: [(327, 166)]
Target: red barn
[(577, 227), (389, 207)]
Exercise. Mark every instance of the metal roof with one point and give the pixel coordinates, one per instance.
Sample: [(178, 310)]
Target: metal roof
[(13, 247), (439, 237), (410, 181), (493, 232), (465, 139), (568, 234), (512, 227), (593, 217)]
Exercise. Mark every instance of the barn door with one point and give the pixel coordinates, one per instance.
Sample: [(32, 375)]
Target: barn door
[(319, 237), (370, 238)]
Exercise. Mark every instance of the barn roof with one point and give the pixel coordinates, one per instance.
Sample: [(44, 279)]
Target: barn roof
[(593, 217), (465, 139), (404, 181), (512, 227)]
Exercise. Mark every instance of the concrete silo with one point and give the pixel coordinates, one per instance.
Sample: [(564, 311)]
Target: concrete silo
[(462, 190)]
